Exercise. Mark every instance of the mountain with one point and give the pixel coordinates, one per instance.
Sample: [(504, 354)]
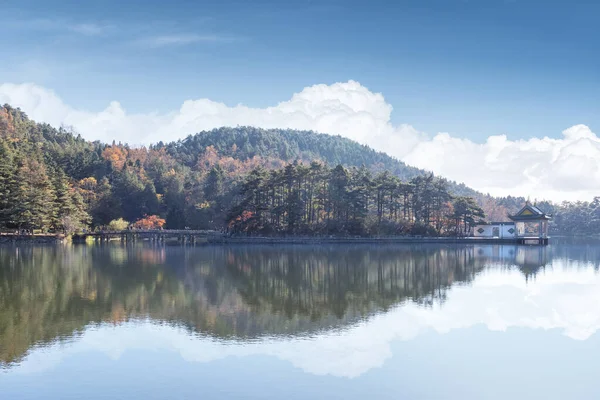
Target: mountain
[(54, 179), (288, 145)]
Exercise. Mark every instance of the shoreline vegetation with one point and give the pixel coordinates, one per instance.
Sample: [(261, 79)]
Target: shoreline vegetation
[(243, 180), (217, 238)]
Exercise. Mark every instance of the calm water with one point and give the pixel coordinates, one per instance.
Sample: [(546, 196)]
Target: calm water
[(463, 322)]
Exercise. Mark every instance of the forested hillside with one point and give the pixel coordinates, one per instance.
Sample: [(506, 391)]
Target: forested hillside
[(53, 180), (290, 145)]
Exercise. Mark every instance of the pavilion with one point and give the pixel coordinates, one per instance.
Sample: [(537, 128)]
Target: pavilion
[(531, 224)]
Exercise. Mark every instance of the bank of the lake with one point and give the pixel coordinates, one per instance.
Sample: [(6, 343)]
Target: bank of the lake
[(197, 238), (37, 238)]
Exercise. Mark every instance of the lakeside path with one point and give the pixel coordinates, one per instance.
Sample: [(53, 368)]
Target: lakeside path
[(210, 237)]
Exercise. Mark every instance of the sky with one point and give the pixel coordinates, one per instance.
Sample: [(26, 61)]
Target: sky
[(503, 95)]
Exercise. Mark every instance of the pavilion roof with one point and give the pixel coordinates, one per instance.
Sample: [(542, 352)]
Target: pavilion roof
[(529, 213)]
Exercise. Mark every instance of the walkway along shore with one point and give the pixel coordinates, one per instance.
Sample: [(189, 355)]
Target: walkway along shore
[(193, 237)]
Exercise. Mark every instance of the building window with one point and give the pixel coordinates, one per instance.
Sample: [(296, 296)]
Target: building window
[(480, 230)]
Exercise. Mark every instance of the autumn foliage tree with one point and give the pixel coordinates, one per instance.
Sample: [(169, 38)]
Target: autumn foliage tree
[(149, 222), (287, 182)]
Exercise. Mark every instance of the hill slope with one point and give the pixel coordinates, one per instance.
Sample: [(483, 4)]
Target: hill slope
[(51, 178), (288, 145)]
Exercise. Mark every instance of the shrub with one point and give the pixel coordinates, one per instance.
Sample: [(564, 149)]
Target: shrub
[(118, 225)]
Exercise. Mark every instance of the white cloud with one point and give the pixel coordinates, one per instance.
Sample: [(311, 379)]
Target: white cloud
[(58, 25), (90, 29), (557, 169), (182, 40)]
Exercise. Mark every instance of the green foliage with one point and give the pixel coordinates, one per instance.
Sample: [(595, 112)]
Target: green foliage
[(105, 207), (52, 179), (315, 199), (35, 197), (118, 225), (8, 185), (466, 214)]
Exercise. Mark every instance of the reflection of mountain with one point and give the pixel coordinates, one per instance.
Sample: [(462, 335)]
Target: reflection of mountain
[(50, 293)]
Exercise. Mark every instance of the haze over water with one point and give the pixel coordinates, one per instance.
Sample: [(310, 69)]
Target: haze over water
[(297, 322)]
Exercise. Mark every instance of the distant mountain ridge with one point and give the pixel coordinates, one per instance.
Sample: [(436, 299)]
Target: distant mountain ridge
[(174, 179), (290, 144)]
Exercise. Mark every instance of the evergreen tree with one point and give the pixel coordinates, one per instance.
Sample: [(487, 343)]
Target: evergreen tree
[(214, 184), (466, 214), (71, 214), (35, 208), (106, 207), (8, 186)]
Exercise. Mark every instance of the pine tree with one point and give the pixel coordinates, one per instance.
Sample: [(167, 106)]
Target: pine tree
[(35, 207), (8, 186), (63, 204), (71, 214), (106, 206), (214, 184)]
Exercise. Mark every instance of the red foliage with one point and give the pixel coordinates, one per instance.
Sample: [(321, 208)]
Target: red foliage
[(149, 222)]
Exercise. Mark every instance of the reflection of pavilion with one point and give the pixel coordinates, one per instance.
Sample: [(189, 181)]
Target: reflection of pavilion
[(529, 259)]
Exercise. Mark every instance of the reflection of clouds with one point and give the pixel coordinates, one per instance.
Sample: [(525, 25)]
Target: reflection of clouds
[(558, 298)]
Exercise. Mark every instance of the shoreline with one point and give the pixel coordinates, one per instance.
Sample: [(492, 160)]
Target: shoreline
[(366, 240), (267, 240), (37, 238)]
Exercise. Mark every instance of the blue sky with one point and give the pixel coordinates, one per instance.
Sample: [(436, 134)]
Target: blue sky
[(471, 68), (503, 95)]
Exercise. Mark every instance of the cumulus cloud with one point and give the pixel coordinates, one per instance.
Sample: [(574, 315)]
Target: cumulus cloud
[(556, 169), (565, 299)]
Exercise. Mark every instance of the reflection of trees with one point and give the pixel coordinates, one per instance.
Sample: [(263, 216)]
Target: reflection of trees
[(318, 281), (51, 293)]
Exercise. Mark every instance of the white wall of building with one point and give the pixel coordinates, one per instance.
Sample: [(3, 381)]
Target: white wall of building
[(496, 230)]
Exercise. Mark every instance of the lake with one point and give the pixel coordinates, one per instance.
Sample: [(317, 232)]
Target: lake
[(300, 322)]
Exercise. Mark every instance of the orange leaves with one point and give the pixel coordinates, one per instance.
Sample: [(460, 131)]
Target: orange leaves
[(209, 159), (203, 206), (117, 155), (231, 166), (88, 183), (149, 222), (7, 127), (137, 154), (244, 217)]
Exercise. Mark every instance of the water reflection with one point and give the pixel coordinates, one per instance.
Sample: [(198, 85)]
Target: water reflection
[(297, 303)]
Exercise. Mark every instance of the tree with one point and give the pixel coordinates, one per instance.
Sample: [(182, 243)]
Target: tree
[(149, 222), (8, 185), (35, 208), (118, 224), (71, 211), (105, 207), (214, 184), (466, 211)]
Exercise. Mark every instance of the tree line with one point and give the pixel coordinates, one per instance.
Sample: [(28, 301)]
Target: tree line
[(317, 199), (242, 179)]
